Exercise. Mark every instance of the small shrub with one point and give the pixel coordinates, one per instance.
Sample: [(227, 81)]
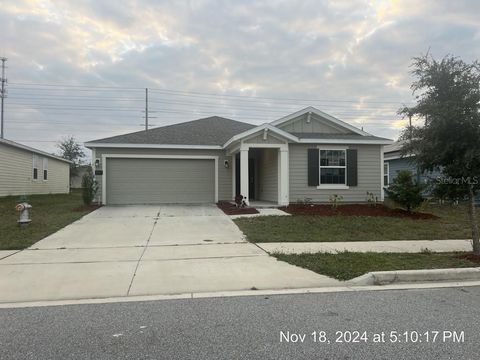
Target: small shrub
[(372, 200), (304, 201), (89, 187), (335, 200), (405, 191)]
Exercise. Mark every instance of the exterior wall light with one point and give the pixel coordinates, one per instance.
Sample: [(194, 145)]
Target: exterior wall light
[(226, 164)]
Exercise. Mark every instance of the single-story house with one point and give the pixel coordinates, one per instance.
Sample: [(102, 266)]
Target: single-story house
[(394, 162), (27, 171), (305, 155)]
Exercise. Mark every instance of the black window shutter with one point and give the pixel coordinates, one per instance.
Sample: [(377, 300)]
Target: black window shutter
[(313, 167), (352, 169)]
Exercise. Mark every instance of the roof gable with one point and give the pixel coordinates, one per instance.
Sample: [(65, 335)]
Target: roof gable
[(312, 123), (312, 120)]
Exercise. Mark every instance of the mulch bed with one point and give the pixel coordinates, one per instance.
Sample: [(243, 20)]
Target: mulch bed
[(353, 210), (91, 207), (471, 257), (230, 209)]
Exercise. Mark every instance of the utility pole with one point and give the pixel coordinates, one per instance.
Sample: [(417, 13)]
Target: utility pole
[(410, 125), (147, 111), (3, 94)]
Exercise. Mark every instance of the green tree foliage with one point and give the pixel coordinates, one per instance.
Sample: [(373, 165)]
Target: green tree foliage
[(71, 150), (405, 191), (448, 103), (89, 187)]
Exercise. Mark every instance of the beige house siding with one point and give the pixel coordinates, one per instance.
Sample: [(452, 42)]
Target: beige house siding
[(268, 175), (224, 174), (369, 175), (16, 173)]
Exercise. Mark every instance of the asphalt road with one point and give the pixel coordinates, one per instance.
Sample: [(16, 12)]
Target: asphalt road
[(250, 327)]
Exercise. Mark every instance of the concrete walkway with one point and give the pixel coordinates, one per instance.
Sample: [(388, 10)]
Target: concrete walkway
[(262, 212), (408, 246), (146, 250)]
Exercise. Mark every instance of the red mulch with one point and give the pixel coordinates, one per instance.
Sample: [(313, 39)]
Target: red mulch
[(91, 207), (231, 209), (353, 210), (471, 257)]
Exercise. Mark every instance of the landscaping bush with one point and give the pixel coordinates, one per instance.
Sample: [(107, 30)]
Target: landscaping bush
[(89, 187), (405, 191)]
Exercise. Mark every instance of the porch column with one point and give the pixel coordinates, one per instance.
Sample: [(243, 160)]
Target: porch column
[(283, 177), (244, 174), (234, 175)]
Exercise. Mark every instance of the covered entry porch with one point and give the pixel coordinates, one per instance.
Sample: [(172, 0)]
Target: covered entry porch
[(260, 174)]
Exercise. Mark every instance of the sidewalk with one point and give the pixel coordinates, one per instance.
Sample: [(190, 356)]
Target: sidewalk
[(407, 246)]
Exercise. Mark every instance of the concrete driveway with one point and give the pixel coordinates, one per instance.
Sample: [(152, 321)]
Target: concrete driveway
[(146, 250)]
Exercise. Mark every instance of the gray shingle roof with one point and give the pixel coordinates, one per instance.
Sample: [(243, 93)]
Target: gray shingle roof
[(396, 146), (337, 136), (213, 130)]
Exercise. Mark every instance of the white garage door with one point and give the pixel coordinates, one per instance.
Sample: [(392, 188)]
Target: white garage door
[(157, 181)]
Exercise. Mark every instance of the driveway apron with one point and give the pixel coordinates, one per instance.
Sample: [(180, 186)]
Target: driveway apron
[(146, 250)]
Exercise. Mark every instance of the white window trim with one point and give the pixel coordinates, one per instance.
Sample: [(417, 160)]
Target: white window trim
[(387, 174), (45, 161), (34, 166), (332, 186), (130, 156)]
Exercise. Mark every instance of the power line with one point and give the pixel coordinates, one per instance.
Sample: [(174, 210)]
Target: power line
[(180, 92), (3, 95)]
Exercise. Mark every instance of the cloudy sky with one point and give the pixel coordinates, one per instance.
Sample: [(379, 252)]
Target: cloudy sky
[(81, 67)]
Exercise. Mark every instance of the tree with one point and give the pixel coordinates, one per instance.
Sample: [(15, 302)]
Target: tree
[(71, 150), (448, 99), (405, 191), (89, 187)]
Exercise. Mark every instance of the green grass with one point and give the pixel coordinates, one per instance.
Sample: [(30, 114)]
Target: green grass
[(348, 265), (452, 224), (49, 213)]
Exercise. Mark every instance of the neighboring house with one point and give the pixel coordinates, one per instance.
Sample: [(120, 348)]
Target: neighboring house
[(25, 171), (306, 155), (395, 162), (76, 179)]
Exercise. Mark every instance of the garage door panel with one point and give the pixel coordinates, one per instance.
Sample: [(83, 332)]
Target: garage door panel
[(154, 181)]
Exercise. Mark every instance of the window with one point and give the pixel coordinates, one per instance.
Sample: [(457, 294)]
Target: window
[(386, 175), (35, 167), (333, 167), (45, 169)]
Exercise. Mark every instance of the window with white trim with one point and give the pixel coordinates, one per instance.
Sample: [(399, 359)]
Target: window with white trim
[(333, 167), (45, 169), (386, 174), (35, 167)]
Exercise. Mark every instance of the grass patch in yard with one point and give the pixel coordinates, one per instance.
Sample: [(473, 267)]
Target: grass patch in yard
[(49, 214), (452, 223), (349, 265)]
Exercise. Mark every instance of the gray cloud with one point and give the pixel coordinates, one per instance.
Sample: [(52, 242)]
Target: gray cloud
[(351, 58)]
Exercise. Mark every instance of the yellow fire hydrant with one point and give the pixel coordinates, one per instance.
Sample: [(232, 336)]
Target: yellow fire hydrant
[(24, 218)]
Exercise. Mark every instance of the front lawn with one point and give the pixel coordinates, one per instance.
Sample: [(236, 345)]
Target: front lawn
[(349, 265), (49, 213), (452, 223)]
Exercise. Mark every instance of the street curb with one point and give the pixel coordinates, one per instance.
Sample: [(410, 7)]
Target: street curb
[(348, 287), (416, 276)]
